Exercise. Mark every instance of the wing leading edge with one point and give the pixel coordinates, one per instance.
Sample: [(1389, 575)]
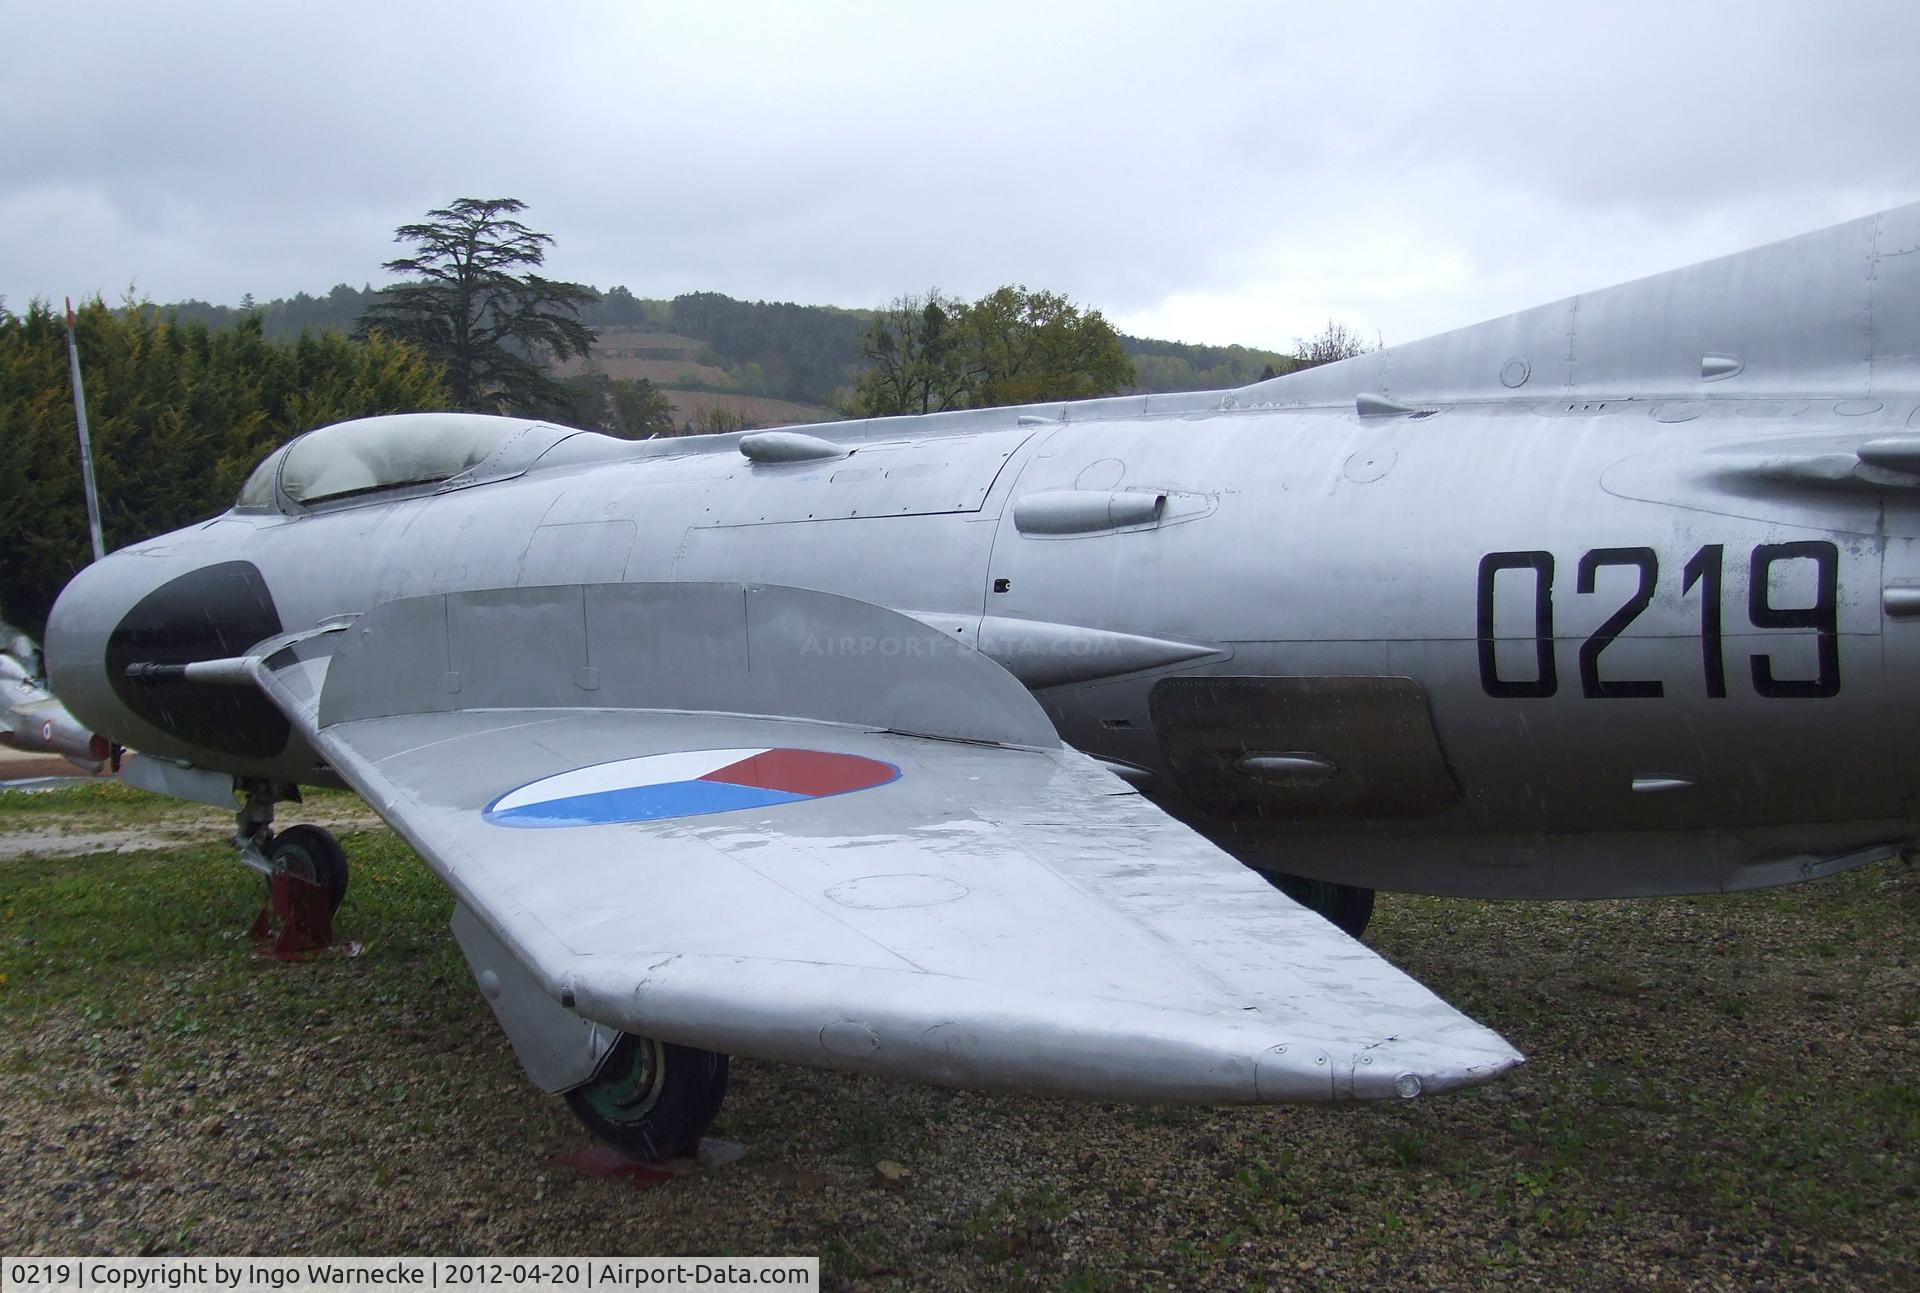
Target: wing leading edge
[(680, 815)]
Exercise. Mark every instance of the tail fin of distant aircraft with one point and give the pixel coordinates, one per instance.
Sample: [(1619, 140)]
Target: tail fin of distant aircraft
[(1834, 313), (18, 647), (86, 445)]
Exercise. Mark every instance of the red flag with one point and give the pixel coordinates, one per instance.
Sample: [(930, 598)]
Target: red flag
[(69, 314)]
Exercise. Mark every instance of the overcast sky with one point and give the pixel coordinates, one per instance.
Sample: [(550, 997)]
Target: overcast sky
[(1212, 173)]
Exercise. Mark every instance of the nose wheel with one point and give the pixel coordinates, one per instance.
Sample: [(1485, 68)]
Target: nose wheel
[(306, 872), (311, 854)]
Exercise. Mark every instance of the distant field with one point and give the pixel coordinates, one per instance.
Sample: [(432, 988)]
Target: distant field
[(757, 409), (633, 343), (668, 361), (665, 372), (661, 372), (1721, 1095)]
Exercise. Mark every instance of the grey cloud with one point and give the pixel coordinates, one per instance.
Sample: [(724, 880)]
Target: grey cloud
[(1132, 156)]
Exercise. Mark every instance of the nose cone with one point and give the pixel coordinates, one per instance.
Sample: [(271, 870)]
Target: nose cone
[(160, 606), (75, 651)]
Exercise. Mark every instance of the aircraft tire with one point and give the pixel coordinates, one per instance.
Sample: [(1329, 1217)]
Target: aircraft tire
[(652, 1099), (1348, 906), (312, 853)]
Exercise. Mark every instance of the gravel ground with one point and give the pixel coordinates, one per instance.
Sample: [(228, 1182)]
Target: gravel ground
[(1720, 1095)]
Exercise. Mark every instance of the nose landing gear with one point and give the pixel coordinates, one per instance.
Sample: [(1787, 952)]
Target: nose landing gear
[(306, 872)]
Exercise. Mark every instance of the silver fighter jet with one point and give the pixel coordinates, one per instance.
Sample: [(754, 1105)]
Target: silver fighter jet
[(31, 719), (934, 746)]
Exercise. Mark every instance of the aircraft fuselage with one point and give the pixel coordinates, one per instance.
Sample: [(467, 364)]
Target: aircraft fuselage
[(1557, 648)]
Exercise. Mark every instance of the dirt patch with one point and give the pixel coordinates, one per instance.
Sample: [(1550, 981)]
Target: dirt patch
[(64, 838), (137, 822)]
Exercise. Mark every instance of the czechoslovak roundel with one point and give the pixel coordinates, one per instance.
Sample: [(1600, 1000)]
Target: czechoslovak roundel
[(688, 783)]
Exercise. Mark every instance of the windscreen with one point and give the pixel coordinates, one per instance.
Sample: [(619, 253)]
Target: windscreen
[(257, 494)]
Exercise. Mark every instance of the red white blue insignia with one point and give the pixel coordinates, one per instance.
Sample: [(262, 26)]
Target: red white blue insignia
[(688, 783)]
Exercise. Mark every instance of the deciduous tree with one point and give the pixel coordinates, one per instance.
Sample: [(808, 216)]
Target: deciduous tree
[(1331, 344), (914, 348), (1011, 346), (630, 407), (1024, 347)]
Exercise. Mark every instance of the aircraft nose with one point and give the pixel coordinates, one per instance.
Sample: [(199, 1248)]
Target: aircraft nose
[(166, 603), (82, 618)]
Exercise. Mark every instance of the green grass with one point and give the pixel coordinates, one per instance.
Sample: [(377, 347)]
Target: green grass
[(98, 799), (156, 937)]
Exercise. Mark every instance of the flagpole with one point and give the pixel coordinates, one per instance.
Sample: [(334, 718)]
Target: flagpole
[(86, 445)]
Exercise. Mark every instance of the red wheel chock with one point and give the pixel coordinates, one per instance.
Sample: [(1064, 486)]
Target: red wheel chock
[(296, 922)]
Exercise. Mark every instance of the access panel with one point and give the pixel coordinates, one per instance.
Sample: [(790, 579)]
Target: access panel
[(1310, 749)]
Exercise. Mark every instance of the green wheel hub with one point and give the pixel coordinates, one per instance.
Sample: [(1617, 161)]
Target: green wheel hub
[(627, 1092)]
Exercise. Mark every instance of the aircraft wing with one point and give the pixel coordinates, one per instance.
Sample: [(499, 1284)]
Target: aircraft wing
[(794, 826)]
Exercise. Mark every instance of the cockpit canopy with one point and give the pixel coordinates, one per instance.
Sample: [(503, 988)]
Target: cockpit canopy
[(389, 453), (396, 452)]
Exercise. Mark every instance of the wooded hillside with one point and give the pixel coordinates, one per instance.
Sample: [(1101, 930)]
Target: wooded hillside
[(185, 399), (769, 361)]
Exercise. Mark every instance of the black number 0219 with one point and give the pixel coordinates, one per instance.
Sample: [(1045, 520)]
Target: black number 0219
[(1703, 570)]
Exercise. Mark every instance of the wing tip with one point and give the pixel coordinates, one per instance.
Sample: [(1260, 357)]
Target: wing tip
[(1408, 1084), (1393, 1069)]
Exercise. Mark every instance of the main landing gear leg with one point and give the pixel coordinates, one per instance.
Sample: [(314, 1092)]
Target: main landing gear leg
[(306, 872), (646, 1101)]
